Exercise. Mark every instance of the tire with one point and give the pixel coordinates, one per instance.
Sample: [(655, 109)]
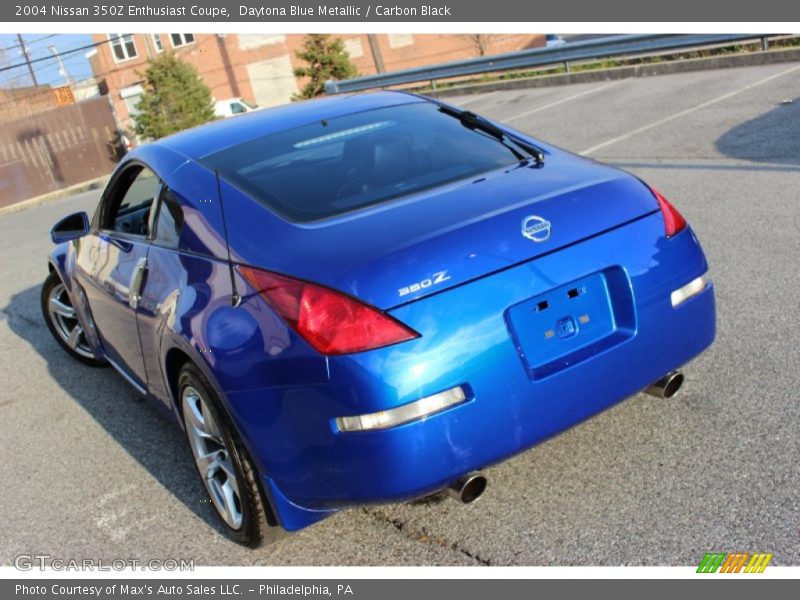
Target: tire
[(230, 477), (63, 323)]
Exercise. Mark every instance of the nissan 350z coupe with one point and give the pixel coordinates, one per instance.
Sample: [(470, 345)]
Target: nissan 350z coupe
[(370, 298)]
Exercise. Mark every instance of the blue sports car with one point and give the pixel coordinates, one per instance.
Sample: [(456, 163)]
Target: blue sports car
[(370, 298)]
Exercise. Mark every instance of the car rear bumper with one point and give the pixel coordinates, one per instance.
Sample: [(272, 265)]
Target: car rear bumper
[(467, 340)]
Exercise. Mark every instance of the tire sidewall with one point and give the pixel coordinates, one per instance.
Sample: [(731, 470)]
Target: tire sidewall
[(190, 375)]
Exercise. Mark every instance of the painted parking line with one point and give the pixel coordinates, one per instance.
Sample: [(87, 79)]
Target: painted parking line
[(562, 101), (687, 111)]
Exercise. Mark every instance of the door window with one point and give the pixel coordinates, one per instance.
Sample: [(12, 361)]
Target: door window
[(130, 203), (169, 221)]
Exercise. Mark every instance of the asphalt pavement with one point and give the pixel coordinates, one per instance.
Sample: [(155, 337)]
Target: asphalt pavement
[(90, 471)]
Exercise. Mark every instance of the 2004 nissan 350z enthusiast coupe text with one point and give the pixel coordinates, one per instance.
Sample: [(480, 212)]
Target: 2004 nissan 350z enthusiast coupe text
[(370, 298)]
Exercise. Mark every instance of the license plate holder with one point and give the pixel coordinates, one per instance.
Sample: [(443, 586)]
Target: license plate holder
[(573, 322)]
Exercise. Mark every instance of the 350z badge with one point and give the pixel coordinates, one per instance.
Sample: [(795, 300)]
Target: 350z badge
[(434, 279)]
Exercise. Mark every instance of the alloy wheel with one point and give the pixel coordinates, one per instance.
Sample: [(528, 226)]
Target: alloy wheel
[(64, 318), (213, 457)]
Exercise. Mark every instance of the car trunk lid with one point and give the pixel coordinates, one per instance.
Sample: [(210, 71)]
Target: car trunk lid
[(425, 243)]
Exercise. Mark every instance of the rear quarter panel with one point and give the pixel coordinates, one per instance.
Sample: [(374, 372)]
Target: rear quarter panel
[(466, 341)]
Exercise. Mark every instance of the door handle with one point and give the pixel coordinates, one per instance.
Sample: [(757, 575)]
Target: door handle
[(134, 289)]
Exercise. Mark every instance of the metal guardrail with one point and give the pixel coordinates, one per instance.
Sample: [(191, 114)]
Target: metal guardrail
[(607, 47)]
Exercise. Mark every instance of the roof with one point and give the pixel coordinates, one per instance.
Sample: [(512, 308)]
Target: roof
[(224, 133)]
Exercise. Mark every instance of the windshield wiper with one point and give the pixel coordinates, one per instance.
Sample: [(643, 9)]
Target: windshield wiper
[(473, 121)]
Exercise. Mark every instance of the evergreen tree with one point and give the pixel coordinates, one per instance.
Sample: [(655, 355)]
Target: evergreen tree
[(327, 59), (174, 98)]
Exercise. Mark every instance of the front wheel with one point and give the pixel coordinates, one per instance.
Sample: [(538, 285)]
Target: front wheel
[(63, 323), (223, 464)]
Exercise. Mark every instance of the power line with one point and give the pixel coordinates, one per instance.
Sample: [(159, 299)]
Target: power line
[(205, 74), (29, 42), (41, 39), (43, 72), (53, 57), (61, 68)]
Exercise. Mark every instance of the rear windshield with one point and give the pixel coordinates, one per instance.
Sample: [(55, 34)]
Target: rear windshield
[(335, 166)]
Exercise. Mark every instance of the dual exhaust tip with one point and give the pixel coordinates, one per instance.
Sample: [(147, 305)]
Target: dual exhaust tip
[(667, 386), (468, 488)]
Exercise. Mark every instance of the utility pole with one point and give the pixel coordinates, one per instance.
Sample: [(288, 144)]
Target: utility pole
[(61, 68), (376, 52), (226, 63), (27, 58)]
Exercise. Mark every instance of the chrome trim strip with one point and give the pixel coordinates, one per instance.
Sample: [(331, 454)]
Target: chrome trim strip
[(127, 377)]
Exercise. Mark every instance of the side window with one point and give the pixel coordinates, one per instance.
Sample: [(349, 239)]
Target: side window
[(169, 221), (237, 108), (128, 210)]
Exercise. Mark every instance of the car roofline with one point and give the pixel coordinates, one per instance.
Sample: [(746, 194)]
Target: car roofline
[(269, 121)]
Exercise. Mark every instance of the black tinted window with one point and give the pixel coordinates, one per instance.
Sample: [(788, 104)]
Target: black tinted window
[(337, 165), (170, 220), (133, 197)]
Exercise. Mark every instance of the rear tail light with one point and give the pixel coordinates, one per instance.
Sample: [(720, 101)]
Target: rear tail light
[(331, 322), (673, 220)]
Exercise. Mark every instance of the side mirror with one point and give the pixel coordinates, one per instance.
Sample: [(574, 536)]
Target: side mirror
[(70, 228)]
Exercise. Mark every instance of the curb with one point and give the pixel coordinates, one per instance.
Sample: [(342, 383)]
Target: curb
[(725, 61), (78, 188)]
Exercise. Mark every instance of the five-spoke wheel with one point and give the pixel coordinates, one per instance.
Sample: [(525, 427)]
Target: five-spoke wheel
[(223, 463), (62, 321), (212, 457)]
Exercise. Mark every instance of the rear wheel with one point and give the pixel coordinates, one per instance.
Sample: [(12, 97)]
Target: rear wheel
[(63, 323), (223, 464)]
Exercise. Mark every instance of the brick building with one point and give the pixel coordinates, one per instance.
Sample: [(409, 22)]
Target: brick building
[(259, 67), (16, 103)]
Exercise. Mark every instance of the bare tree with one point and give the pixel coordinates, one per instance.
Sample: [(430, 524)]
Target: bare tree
[(12, 78), (480, 42)]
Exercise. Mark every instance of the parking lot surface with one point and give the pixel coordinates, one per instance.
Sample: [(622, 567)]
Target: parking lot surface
[(91, 471)]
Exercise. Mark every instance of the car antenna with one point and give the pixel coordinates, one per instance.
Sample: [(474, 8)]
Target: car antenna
[(235, 297)]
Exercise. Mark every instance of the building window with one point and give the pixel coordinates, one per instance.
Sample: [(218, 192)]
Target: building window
[(400, 40), (181, 39), (123, 46), (251, 41), (131, 96), (158, 43), (354, 47)]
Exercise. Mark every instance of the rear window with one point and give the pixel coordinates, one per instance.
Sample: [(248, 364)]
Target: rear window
[(335, 166)]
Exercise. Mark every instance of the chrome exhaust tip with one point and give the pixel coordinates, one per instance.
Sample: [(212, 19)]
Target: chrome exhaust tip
[(468, 488), (667, 386)]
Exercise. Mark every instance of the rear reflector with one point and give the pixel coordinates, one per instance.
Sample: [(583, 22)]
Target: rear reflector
[(691, 289), (673, 220), (413, 411), (331, 322)]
